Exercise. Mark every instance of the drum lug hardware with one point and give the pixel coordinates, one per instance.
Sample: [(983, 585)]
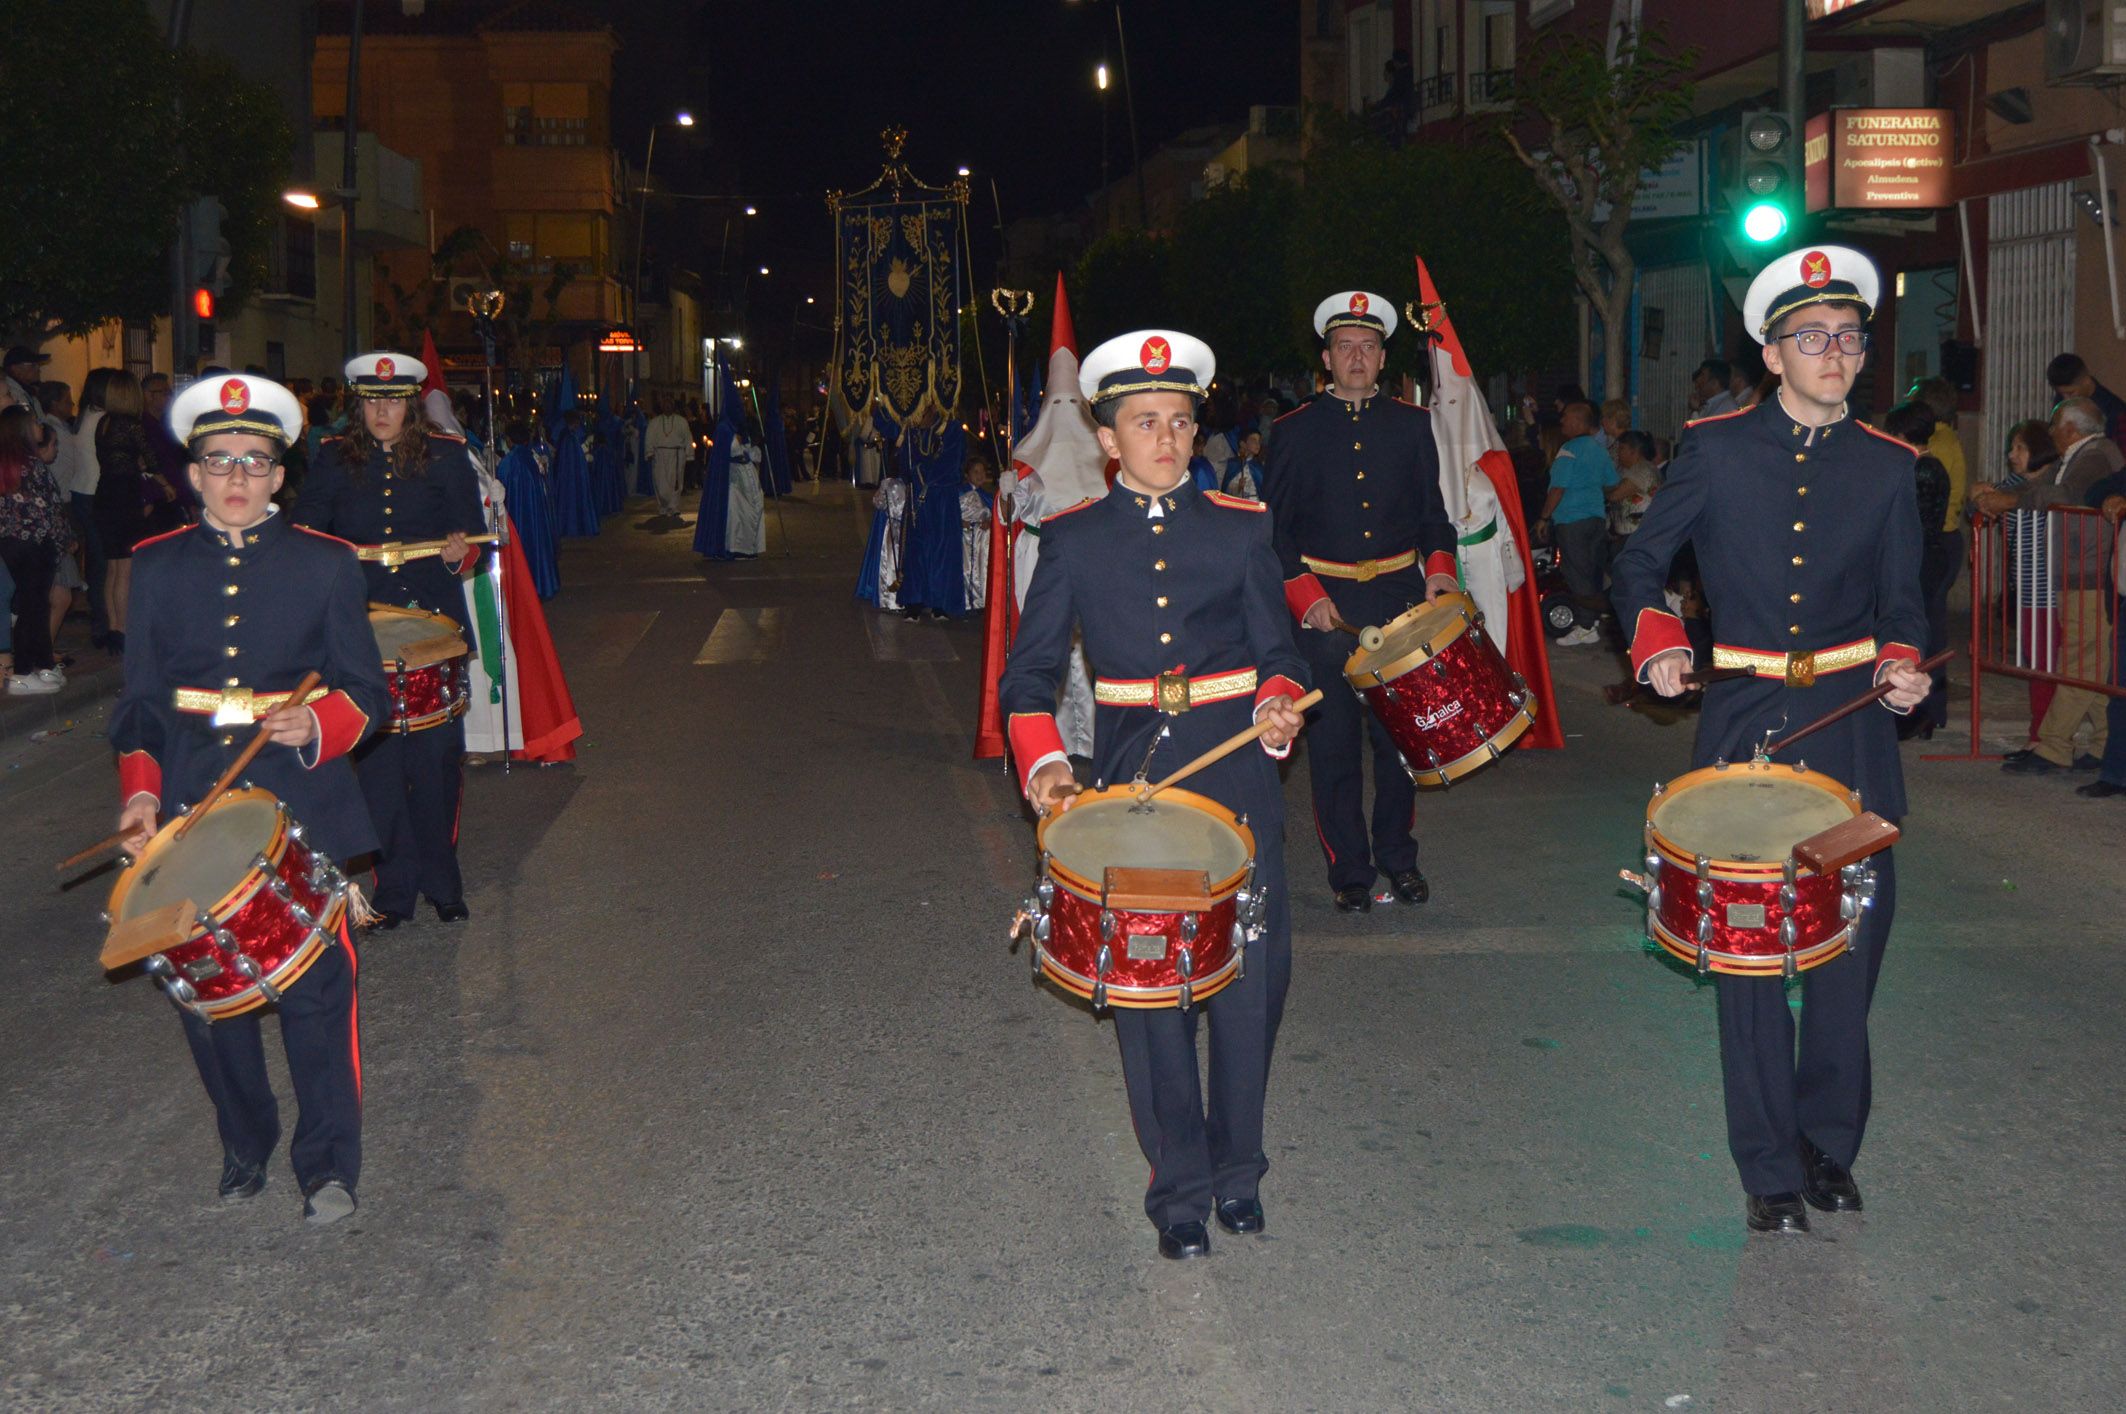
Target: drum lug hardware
[(1492, 747), (1653, 901), (1045, 892), (1705, 929), (157, 966), (1848, 905), (1189, 929), (304, 918), (1653, 863), (1109, 925), (1105, 960), (1239, 935), (1187, 997), (104, 916), (182, 990), (1861, 880), (1043, 929), (1705, 961), (1185, 964), (1788, 972), (1787, 933), (1721, 764), (1787, 897), (270, 992), (1705, 893), (247, 967)]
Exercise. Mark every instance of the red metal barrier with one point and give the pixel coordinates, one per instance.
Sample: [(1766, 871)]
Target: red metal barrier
[(2042, 585)]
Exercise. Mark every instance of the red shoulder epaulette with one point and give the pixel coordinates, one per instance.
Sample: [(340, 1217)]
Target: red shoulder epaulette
[(445, 435), (1717, 417), (1237, 503), (322, 535), (1054, 516), (158, 539), (1894, 441)]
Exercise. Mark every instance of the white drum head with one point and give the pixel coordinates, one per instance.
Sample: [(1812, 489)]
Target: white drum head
[(399, 629), (1435, 624), (1090, 838), (211, 859), (1749, 819)]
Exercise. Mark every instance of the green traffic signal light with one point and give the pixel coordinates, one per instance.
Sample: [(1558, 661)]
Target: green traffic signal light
[(1764, 222)]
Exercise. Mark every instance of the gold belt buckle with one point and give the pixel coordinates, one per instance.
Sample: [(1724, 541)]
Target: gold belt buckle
[(1801, 669), (1170, 693), (1367, 569), (236, 708), (390, 556)]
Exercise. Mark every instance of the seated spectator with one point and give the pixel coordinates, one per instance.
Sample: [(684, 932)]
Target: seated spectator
[(2069, 377), (2081, 584), (1636, 481)]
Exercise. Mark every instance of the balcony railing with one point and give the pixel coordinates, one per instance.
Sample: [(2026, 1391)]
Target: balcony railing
[(1435, 92), (1492, 87)]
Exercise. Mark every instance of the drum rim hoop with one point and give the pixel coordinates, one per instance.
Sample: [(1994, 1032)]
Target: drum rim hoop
[(1147, 998), (240, 894), (1417, 657), (1089, 889), (1737, 870), (1814, 955)]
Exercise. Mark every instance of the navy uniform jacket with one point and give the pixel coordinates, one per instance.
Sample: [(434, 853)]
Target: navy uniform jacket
[(1804, 542), (1357, 481), (1196, 590), (207, 614), (372, 504)]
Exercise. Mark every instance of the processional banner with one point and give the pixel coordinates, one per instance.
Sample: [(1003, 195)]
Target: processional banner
[(897, 352)]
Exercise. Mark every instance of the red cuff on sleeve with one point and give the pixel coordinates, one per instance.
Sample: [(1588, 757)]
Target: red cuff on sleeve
[(1278, 686), (1895, 652), (1301, 593), (1442, 562), (139, 774), (340, 724), (1655, 632), (1033, 736)]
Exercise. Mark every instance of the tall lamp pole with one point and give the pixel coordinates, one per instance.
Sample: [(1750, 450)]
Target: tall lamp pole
[(1129, 94), (642, 212), (347, 179)]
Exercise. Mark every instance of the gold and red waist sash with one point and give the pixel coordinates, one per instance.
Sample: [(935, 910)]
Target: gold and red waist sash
[(1174, 692), (1797, 669)]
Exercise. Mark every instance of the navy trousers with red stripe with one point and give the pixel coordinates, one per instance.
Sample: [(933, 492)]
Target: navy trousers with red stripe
[(414, 785), (1336, 750), (319, 1032)]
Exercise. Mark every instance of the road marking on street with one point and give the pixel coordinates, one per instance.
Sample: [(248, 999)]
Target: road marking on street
[(897, 640), (743, 636), (624, 633)]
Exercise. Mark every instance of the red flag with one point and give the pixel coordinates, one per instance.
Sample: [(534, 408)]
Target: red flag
[(1467, 437), (997, 629), (549, 723), (433, 383)]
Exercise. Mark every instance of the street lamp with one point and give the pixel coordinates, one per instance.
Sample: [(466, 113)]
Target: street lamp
[(682, 119), (1129, 94), (1107, 198), (306, 199)]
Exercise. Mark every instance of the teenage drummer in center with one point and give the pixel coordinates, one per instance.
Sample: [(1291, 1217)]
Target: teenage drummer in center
[(1176, 592), (1807, 530), (1362, 536), (227, 616), (397, 478)]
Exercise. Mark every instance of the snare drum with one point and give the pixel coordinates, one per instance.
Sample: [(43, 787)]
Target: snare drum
[(268, 904), (1441, 688), (1724, 890), (424, 666), (1143, 905)]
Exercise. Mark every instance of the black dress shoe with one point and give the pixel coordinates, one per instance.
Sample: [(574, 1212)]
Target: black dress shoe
[(1356, 899), (386, 920), (2027, 763), (1184, 1240), (453, 912), (1775, 1212), (1241, 1217), (240, 1181), (1409, 886), (1827, 1184), (2100, 790), (2086, 762)]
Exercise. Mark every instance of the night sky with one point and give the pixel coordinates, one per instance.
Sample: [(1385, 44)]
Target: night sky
[(794, 94)]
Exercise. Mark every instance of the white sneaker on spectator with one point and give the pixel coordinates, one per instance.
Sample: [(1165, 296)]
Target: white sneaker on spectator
[(55, 676), (31, 684), (1579, 638)]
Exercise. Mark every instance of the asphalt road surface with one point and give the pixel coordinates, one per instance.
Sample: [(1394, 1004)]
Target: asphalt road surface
[(731, 1096)]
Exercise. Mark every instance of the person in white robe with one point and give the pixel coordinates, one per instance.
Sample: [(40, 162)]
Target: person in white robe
[(668, 441), (1490, 565), (748, 529)]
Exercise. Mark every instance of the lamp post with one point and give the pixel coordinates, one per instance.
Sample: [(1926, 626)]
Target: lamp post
[(1129, 96), (1107, 198), (682, 119)]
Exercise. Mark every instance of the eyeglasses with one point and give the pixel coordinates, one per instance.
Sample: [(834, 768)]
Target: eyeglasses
[(250, 464), (1817, 342)]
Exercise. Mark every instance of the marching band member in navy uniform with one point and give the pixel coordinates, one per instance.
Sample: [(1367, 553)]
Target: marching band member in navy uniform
[(1362, 535), (397, 477), (238, 608), (1807, 530), (1165, 579)]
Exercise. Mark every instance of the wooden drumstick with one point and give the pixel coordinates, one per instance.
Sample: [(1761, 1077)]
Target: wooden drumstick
[(84, 856), (249, 754), (1713, 675), (1874, 694), (1226, 748)]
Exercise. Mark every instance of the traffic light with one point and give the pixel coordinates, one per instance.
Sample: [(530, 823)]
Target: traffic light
[(209, 248), (1764, 186), (202, 303)]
